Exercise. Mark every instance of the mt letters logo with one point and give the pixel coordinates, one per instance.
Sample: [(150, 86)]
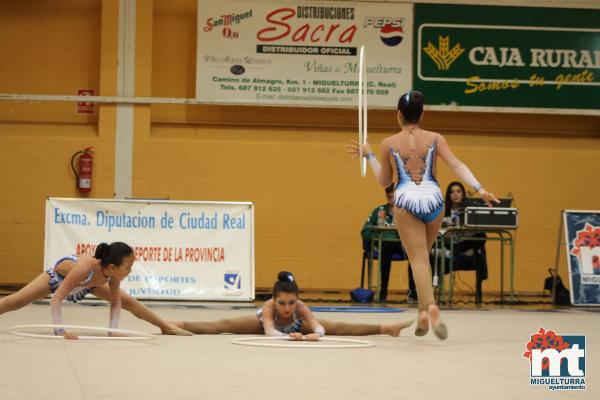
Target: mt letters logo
[(556, 361)]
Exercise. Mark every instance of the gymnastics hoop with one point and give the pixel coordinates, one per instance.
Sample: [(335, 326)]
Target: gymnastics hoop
[(362, 109), (354, 344), (15, 330)]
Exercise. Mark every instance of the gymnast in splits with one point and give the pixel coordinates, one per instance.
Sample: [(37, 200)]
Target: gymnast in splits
[(408, 158), (73, 277), (286, 315)]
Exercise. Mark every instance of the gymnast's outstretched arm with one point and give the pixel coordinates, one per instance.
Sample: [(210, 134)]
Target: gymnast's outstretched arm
[(268, 318), (78, 274), (461, 170)]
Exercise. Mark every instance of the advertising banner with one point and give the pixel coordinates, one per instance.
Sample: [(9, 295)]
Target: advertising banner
[(183, 250), (508, 57), (302, 53), (582, 233)]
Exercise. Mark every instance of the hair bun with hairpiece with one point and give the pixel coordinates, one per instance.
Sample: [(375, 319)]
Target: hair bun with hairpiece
[(285, 276), (101, 250), (286, 283)]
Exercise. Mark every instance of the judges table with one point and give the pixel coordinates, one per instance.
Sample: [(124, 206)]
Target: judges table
[(455, 234), (452, 236), (377, 238)]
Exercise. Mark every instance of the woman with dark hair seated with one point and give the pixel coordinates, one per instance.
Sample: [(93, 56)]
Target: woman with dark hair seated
[(466, 254), (455, 199)]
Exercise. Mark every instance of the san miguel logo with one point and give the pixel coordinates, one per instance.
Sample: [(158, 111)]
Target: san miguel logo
[(442, 55), (226, 20)]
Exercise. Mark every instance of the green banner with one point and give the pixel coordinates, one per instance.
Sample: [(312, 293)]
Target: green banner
[(517, 57)]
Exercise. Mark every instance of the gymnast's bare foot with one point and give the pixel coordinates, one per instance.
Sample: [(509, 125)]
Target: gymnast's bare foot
[(395, 329)]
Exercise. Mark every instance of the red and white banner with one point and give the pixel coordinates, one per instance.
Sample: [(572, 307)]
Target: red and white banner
[(302, 52), (184, 250)]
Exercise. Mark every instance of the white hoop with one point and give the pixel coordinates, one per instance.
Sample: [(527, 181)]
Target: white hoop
[(136, 335), (355, 344), (362, 109)]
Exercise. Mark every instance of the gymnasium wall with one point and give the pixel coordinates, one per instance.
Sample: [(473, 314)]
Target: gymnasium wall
[(47, 47), (310, 199)]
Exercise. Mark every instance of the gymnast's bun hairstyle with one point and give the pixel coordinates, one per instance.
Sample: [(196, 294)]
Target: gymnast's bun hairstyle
[(286, 283), (410, 106), (112, 253)]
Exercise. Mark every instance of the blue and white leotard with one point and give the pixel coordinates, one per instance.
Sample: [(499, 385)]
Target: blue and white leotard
[(422, 198)]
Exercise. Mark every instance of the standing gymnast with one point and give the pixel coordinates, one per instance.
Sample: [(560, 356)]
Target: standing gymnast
[(286, 315), (410, 156), (73, 277)]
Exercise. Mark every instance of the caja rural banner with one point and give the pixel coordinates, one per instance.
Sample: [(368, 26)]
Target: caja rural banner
[(582, 233), (184, 250), (533, 59), (302, 53)]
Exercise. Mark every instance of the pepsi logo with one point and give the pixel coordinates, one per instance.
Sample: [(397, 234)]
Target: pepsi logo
[(391, 36)]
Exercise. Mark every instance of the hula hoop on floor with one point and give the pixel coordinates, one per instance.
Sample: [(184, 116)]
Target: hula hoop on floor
[(352, 343), (362, 109), (133, 335)]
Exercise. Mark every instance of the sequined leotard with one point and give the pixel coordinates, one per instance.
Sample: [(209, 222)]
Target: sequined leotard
[(417, 191)]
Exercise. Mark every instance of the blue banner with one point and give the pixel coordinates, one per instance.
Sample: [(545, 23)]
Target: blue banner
[(582, 232)]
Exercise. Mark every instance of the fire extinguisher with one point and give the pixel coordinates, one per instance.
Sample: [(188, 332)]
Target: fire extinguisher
[(83, 171)]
